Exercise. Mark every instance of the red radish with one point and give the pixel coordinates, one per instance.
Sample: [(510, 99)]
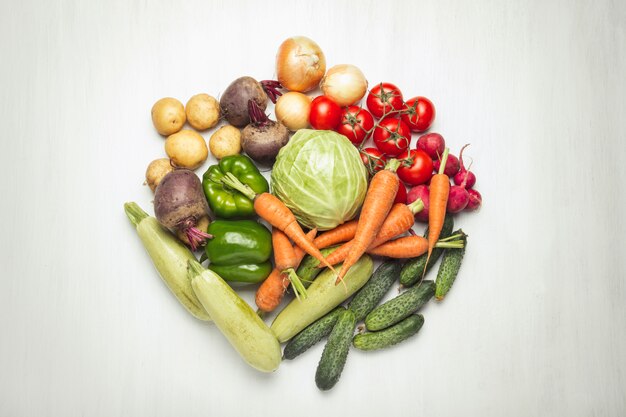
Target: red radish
[(457, 199), (475, 200), (433, 144), (421, 191), (401, 194), (452, 165), (465, 178)]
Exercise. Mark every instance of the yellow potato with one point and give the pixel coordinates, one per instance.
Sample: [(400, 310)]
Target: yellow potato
[(203, 111), (225, 141), (168, 116), (156, 171), (186, 149)]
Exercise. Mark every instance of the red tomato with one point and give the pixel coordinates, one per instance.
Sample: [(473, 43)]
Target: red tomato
[(419, 114), (373, 159), (401, 194), (416, 168), (383, 99), (325, 113), (356, 123), (392, 136)]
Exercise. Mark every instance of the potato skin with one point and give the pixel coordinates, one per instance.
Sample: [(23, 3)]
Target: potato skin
[(179, 197), (262, 143), (225, 141), (186, 149), (234, 101), (155, 172), (203, 111), (168, 116)]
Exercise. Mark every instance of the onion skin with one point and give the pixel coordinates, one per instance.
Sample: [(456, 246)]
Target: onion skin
[(292, 109), (300, 64), (345, 84)]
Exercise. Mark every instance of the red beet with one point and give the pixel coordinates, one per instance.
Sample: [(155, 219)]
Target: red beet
[(475, 200), (421, 191), (452, 165), (457, 199), (179, 203), (433, 144)]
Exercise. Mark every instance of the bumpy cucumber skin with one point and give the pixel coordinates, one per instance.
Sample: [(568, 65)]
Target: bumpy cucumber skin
[(370, 295), (414, 268), (335, 352), (308, 269), (312, 334), (400, 307), (390, 336), (449, 269)]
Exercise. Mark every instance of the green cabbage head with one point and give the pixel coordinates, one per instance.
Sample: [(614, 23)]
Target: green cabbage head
[(319, 175)]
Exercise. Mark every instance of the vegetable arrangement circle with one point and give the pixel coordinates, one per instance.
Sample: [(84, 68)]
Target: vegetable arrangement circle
[(347, 188)]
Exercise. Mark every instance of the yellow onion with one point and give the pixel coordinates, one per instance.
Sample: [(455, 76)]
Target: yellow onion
[(300, 64), (292, 109), (345, 84)]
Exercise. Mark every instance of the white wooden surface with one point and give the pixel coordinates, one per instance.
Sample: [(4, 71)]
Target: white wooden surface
[(536, 322)]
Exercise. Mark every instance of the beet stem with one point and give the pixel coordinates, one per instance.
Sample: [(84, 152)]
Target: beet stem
[(271, 89), (196, 237), (257, 117)]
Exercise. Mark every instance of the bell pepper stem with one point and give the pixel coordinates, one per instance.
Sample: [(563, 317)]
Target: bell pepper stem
[(233, 182), (134, 213), (298, 288)]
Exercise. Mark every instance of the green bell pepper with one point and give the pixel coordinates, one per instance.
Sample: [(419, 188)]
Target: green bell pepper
[(226, 202), (239, 250)]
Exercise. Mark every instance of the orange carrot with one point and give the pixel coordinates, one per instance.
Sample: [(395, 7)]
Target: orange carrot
[(403, 247), (271, 292), (378, 201), (274, 211), (400, 219), (412, 246), (339, 234), (439, 190)]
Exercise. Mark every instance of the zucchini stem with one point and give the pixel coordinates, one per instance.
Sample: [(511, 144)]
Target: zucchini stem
[(194, 268), (233, 182), (134, 213)]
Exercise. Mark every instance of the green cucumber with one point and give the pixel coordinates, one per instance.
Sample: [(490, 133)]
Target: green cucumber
[(312, 334), (400, 307), (308, 269), (335, 352), (370, 295), (322, 296), (413, 269), (449, 268), (390, 336)]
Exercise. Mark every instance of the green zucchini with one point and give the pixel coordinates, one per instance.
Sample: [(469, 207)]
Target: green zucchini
[(308, 269), (449, 268), (322, 296), (335, 352), (237, 321), (400, 307), (169, 256), (370, 295), (413, 269), (312, 334), (390, 336)]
